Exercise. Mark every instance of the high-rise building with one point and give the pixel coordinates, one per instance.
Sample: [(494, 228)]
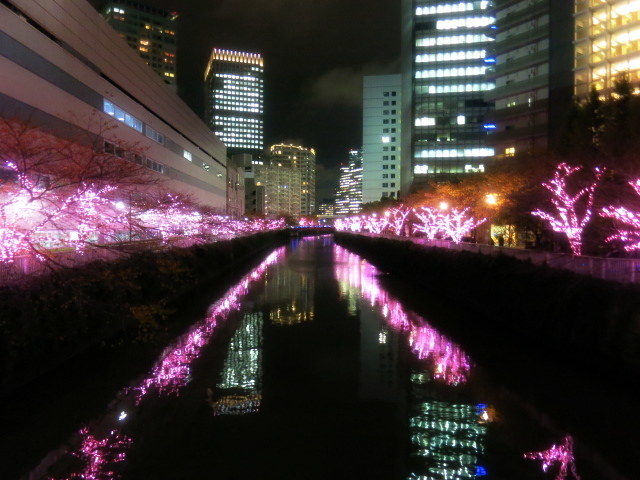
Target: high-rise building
[(349, 194), (304, 160), (446, 48), (150, 31), (253, 193), (381, 136), (533, 55), (282, 188), (235, 93), (607, 43)]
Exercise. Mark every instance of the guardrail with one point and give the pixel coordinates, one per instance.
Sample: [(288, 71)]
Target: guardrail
[(623, 270)]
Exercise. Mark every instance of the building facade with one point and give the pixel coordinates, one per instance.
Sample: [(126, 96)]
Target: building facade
[(302, 159), (349, 194), (235, 99), (282, 186), (381, 137), (533, 75), (53, 77), (447, 44), (150, 31), (607, 43)]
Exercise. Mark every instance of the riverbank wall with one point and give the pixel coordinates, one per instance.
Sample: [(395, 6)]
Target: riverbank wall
[(52, 319), (519, 301)]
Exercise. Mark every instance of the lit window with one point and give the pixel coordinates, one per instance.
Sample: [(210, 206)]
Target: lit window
[(187, 155), (461, 119), (386, 139), (510, 151)]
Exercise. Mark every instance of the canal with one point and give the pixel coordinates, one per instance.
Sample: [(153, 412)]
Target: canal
[(311, 368)]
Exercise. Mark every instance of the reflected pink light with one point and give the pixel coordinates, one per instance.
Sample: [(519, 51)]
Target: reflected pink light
[(561, 454), (172, 371), (101, 455), (450, 363)]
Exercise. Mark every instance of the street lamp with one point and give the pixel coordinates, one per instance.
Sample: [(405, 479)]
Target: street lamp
[(443, 206), (491, 199)]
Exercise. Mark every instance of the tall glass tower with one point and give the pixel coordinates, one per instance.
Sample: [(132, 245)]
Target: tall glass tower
[(448, 45), (235, 93), (149, 30)]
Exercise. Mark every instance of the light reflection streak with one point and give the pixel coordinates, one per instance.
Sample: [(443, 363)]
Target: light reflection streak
[(450, 363), (168, 376), (561, 454)]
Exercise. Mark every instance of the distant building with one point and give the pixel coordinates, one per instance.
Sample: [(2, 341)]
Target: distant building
[(282, 188), (533, 54), (606, 43), (349, 194), (254, 195), (446, 60), (235, 99), (327, 208), (150, 31), (381, 137), (304, 160), (235, 187), (62, 83)]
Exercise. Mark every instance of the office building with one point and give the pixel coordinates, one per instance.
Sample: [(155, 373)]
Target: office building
[(150, 31), (56, 79), (446, 60), (381, 137), (304, 160), (235, 93), (349, 194), (235, 187), (533, 56), (282, 189), (253, 193), (607, 43)]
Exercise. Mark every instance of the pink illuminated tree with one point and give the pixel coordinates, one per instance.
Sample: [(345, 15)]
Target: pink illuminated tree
[(430, 221), (558, 454), (397, 218), (458, 223), (572, 211), (630, 234), (376, 223)]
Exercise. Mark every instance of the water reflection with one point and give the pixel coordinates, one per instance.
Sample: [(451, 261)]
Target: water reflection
[(561, 455), (240, 389), (446, 438), (359, 278), (170, 374)]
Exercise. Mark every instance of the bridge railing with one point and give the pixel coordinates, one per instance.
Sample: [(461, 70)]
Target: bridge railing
[(624, 270)]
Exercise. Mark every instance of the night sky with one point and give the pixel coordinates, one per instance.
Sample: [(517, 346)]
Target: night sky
[(315, 51)]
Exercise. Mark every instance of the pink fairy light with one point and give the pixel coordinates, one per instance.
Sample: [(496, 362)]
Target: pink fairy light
[(100, 456), (449, 363), (558, 454), (430, 221), (457, 223), (376, 224), (631, 219), (398, 218), (566, 219)]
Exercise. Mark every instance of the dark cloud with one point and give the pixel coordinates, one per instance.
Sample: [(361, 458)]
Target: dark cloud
[(326, 181)]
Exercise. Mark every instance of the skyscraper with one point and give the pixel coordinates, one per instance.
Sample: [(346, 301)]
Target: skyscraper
[(150, 31), (304, 160), (447, 48), (607, 43), (533, 55), (235, 91), (282, 188), (381, 137), (349, 194)]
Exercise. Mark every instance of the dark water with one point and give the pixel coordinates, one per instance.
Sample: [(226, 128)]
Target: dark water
[(310, 369)]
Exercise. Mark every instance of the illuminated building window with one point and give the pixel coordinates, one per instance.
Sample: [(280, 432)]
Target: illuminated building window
[(510, 151)]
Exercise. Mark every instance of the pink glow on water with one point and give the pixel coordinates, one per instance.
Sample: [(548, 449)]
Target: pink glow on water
[(558, 454), (100, 456), (173, 370), (449, 363)]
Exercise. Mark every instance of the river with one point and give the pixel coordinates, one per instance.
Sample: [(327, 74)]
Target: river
[(309, 368)]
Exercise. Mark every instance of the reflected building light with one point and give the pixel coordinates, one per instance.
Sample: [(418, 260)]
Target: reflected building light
[(558, 454), (241, 381), (447, 440), (356, 276)]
